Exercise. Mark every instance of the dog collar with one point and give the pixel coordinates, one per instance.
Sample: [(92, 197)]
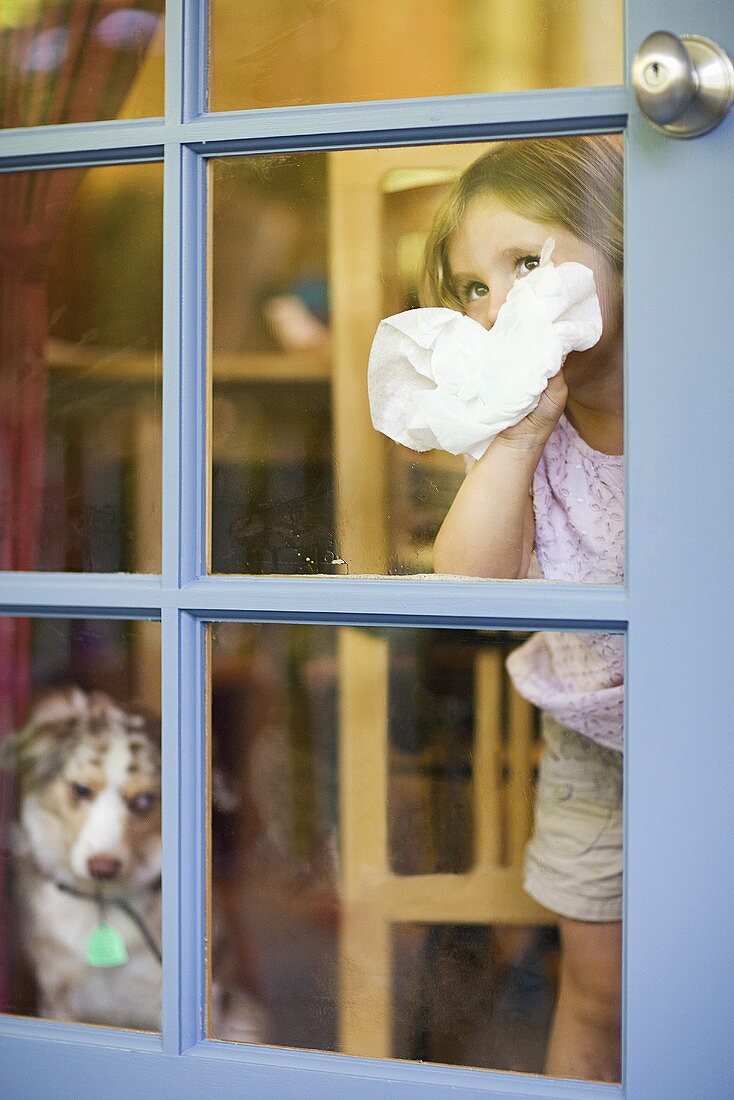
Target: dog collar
[(105, 946)]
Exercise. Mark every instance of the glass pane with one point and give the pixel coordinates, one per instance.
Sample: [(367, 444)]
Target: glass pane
[(293, 52), (80, 61), (81, 825), (80, 369), (407, 854), (310, 252)]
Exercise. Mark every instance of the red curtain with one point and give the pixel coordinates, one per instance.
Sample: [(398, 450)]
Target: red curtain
[(75, 61)]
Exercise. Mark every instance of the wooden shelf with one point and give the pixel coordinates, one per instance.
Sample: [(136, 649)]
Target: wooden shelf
[(272, 366), (260, 366)]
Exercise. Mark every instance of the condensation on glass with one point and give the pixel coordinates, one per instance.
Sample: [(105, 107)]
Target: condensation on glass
[(308, 253), (83, 61), (80, 369), (372, 795), (80, 821), (293, 52)]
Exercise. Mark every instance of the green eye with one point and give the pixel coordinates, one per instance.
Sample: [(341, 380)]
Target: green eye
[(528, 263), (475, 290)]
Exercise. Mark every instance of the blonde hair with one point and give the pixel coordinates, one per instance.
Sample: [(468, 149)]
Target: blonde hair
[(575, 182)]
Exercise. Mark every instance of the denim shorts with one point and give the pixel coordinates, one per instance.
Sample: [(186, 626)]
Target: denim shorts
[(573, 861)]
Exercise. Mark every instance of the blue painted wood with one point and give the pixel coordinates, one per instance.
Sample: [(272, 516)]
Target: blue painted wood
[(531, 111), (172, 368), (195, 58), (47, 1032), (419, 122), (183, 830), (311, 599), (175, 57), (135, 596), (397, 1075), (193, 548), (679, 880), (80, 1071), (193, 725), (558, 110), (453, 602), (173, 995), (679, 876), (83, 143), (182, 668), (173, 267)]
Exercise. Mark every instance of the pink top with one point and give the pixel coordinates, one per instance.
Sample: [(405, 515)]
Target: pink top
[(578, 499)]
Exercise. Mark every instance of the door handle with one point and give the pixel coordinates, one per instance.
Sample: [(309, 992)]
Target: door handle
[(684, 86)]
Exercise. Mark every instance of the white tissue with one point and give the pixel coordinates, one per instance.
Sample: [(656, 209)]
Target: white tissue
[(439, 380)]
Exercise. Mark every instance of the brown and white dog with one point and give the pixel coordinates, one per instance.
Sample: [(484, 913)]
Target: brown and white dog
[(87, 846)]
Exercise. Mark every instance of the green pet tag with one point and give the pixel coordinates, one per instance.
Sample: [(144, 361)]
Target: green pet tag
[(106, 947)]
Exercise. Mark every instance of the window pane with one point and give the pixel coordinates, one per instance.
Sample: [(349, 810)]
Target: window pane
[(292, 52), (309, 252), (80, 817), (397, 833), (80, 369), (80, 61)]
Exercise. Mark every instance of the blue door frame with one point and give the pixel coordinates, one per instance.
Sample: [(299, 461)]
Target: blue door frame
[(675, 607)]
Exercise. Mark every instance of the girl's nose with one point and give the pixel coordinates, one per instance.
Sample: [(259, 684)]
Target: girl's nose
[(488, 308)]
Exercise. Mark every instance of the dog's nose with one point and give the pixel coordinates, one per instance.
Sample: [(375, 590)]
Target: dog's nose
[(104, 866)]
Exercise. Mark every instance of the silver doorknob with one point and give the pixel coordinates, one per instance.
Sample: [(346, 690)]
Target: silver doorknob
[(684, 86)]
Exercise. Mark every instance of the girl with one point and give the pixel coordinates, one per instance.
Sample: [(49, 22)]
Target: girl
[(548, 496)]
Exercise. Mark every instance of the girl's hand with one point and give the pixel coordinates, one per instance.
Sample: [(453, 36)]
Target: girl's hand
[(534, 429)]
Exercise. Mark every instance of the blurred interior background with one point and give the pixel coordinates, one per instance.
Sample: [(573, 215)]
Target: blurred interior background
[(307, 252)]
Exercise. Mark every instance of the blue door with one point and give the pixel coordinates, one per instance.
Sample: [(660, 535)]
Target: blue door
[(209, 578)]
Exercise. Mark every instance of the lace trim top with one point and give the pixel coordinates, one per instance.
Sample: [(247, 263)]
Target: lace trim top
[(578, 500)]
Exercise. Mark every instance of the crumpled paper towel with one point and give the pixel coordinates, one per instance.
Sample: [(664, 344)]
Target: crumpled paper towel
[(439, 380)]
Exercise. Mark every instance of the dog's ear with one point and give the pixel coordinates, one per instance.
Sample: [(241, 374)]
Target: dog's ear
[(38, 751)]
